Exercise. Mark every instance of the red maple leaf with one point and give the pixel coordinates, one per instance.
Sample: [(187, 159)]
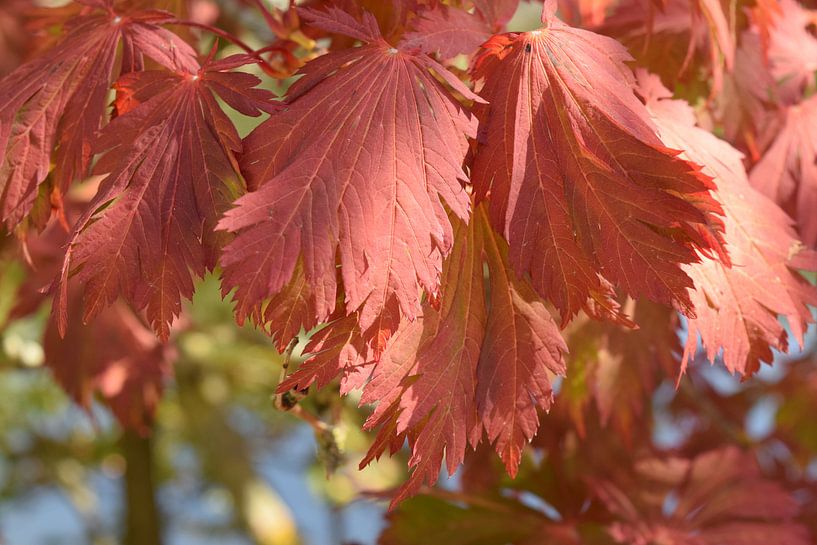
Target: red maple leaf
[(787, 172), (614, 369), (355, 169), (496, 12), (792, 51), (56, 103), (576, 177), (117, 357), (718, 497), (737, 308), (449, 31), (452, 31), (482, 361), (150, 228), (676, 38)]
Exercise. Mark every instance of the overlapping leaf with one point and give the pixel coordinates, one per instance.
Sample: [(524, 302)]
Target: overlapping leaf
[(787, 172), (482, 361), (452, 31), (792, 51), (169, 159), (56, 103), (576, 177), (677, 39), (449, 31), (117, 358), (774, 68), (613, 369), (355, 170), (718, 497), (737, 308)]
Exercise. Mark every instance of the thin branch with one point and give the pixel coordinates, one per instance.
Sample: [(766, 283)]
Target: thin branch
[(268, 69)]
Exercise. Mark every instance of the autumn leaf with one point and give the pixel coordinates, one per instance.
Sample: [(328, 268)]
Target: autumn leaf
[(355, 170), (496, 12), (675, 40), (170, 175), (774, 69), (737, 308), (481, 362), (56, 103), (718, 497), (792, 50), (613, 369), (117, 358), (451, 31), (787, 172), (577, 179)]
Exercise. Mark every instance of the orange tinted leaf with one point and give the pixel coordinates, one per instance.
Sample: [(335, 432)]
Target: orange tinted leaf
[(449, 31), (736, 308)]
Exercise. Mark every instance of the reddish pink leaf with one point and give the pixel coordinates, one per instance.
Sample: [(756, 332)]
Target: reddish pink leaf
[(737, 307), (717, 498), (480, 362), (614, 369), (149, 229), (576, 177), (449, 31), (355, 169), (117, 357), (787, 172), (792, 52), (56, 103), (521, 351), (497, 12), (677, 40), (337, 349)]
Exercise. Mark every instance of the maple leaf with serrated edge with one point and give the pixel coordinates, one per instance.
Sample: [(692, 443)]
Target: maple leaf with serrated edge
[(792, 51), (150, 228), (56, 102), (355, 169), (496, 12), (116, 357), (577, 179), (787, 172), (481, 362), (451, 31), (736, 308)]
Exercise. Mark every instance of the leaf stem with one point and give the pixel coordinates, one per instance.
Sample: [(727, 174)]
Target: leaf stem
[(268, 69)]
